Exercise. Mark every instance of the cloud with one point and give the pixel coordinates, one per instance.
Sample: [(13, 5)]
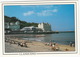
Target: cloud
[(47, 12), (42, 13), (28, 13), (55, 10)]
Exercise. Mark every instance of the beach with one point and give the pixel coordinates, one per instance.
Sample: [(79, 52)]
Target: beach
[(14, 44)]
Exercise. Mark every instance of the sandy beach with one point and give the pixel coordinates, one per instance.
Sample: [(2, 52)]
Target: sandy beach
[(32, 46)]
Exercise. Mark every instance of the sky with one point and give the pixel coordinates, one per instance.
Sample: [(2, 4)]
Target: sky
[(61, 17)]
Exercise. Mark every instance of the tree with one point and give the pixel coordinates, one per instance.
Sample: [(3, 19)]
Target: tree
[(22, 23)]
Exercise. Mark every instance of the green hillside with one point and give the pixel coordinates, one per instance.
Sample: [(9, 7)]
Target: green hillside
[(22, 23)]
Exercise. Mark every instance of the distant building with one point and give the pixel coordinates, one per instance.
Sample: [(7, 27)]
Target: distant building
[(31, 29), (13, 26), (44, 26)]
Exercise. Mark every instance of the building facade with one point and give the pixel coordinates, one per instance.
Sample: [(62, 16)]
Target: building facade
[(31, 29), (45, 27), (13, 26)]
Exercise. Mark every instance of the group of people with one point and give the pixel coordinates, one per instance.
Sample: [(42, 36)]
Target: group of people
[(72, 44), (54, 46), (12, 41)]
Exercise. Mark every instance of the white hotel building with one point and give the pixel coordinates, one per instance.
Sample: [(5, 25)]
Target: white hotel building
[(42, 27), (45, 27)]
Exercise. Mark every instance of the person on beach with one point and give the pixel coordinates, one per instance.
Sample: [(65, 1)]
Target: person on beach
[(55, 47), (66, 49), (47, 44), (54, 43), (25, 44), (51, 43), (70, 44), (18, 43), (73, 45)]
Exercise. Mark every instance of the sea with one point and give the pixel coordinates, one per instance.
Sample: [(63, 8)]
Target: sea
[(61, 38)]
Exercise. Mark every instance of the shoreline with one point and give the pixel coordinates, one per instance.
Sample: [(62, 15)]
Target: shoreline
[(15, 44), (36, 37)]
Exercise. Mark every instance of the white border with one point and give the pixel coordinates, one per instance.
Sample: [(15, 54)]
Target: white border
[(42, 3)]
